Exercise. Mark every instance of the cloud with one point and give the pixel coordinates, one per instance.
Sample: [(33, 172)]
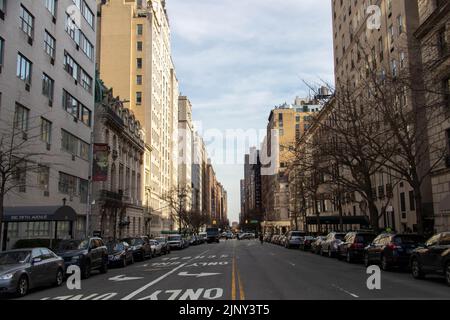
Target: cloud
[(237, 59)]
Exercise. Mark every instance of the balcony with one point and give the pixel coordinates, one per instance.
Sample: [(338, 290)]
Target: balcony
[(112, 117)]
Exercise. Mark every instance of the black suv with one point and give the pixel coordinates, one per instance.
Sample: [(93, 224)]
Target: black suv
[(352, 247), (391, 250), (433, 257), (89, 254)]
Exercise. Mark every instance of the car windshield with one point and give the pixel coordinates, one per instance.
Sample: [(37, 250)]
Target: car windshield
[(174, 238), (365, 238), (115, 247), (297, 234), (67, 245), (408, 239), (14, 257)]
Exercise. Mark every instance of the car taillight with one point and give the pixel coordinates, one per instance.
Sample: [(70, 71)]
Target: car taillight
[(393, 246)]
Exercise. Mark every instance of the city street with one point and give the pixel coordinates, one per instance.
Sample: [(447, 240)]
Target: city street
[(244, 270)]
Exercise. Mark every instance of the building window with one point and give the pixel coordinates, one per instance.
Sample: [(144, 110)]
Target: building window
[(412, 202), (86, 46), (446, 92), (139, 46), (46, 131), (48, 85), (402, 202), (139, 29), (85, 11), (400, 24), (24, 67), (71, 66), (442, 42), (2, 49), (86, 81), (51, 6), (21, 116), (67, 184), (74, 145), (2, 8), (138, 98), (37, 229), (26, 21), (19, 174), (49, 44), (84, 191), (139, 63), (70, 104), (43, 176), (86, 115), (139, 80)]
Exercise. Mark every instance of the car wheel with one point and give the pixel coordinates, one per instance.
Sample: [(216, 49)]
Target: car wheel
[(349, 257), (416, 269), (59, 278), (22, 286), (384, 263), (447, 273), (86, 271), (366, 260), (104, 268)]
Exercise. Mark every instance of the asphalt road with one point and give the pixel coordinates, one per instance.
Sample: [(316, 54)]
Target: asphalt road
[(244, 270)]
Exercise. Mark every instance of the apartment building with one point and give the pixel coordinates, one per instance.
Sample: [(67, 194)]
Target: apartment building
[(117, 210), (135, 59), (434, 36), (384, 42), (185, 146), (200, 158), (47, 71), (289, 122)]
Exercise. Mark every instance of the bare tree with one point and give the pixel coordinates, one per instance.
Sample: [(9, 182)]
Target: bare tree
[(195, 219), (17, 157), (177, 200)]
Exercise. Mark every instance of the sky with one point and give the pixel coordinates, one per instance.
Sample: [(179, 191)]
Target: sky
[(237, 59)]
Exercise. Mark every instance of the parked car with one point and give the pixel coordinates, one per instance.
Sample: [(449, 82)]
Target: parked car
[(330, 245), (24, 269), (175, 241), (157, 248), (353, 245), (391, 250), (293, 239), (275, 239), (165, 244), (88, 254), (120, 253), (203, 237), (432, 258), (317, 244), (140, 246), (306, 242), (282, 240)]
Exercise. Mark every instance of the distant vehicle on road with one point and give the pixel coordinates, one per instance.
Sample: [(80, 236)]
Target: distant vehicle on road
[(25, 269), (141, 247), (165, 244), (331, 244), (293, 239), (89, 254), (432, 258), (392, 250), (316, 245), (352, 247), (306, 242), (157, 248), (213, 235), (175, 241), (119, 253)]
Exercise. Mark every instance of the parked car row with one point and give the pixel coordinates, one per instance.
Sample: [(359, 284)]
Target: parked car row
[(25, 269), (388, 250)]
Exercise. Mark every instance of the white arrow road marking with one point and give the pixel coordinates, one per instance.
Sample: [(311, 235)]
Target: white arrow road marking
[(343, 290), (200, 275), (148, 285), (122, 277)]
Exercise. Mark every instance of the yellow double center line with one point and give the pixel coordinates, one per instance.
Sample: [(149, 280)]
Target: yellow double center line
[(236, 281)]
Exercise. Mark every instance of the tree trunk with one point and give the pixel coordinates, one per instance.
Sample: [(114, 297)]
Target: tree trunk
[(419, 210), (2, 198), (373, 213)]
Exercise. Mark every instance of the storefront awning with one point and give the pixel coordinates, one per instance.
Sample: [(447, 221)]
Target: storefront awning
[(45, 213), (332, 220)]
